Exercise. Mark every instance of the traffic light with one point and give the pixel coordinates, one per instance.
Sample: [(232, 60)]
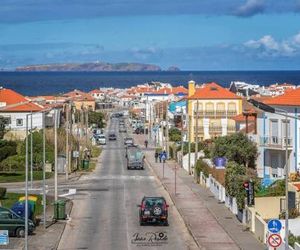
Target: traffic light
[(249, 188)]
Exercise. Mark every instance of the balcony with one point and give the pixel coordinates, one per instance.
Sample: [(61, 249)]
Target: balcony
[(215, 129), (276, 142), (215, 114), (231, 129), (200, 129)]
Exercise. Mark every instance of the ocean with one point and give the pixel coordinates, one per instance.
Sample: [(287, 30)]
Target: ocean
[(45, 83)]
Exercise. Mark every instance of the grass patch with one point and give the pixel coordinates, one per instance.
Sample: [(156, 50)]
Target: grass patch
[(276, 189), (20, 176), (11, 198)]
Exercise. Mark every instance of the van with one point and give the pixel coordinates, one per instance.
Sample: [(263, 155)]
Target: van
[(14, 223)]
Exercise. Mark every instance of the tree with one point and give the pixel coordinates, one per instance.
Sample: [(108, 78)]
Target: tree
[(235, 176), (236, 147), (174, 134), (96, 118), (2, 126), (7, 148)]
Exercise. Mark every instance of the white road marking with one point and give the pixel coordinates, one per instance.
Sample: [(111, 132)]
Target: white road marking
[(118, 177)]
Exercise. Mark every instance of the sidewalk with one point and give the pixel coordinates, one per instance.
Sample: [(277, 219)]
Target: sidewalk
[(43, 239), (211, 224)]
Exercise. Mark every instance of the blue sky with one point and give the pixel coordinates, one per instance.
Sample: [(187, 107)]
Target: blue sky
[(190, 34)]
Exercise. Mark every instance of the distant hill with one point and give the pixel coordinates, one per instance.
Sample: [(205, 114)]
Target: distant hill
[(91, 67)]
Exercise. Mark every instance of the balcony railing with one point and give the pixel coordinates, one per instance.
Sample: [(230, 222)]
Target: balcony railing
[(200, 129), (215, 129), (276, 142), (215, 114), (231, 129)]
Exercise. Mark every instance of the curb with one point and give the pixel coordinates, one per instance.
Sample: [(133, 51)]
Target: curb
[(58, 241), (173, 200)]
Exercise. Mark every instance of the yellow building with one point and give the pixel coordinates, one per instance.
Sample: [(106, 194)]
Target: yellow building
[(214, 106), (81, 100)]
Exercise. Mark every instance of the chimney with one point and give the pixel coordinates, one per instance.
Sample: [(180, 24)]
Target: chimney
[(191, 88)]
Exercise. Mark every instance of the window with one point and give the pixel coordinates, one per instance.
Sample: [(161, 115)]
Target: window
[(284, 129), (19, 122), (5, 215), (274, 131)]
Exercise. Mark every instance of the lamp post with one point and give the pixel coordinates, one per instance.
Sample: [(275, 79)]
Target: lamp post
[(31, 152), (26, 186), (278, 111)]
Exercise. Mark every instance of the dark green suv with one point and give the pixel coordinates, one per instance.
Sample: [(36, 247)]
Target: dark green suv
[(14, 223)]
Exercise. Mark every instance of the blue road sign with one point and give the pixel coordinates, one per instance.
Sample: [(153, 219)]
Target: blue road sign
[(274, 226), (4, 238)]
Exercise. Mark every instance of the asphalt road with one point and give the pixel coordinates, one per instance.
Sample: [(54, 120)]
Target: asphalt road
[(105, 215)]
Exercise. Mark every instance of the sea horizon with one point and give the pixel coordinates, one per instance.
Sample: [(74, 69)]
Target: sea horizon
[(57, 82)]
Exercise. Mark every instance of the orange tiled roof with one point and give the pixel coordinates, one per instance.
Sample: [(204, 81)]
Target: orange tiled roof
[(242, 118), (289, 98), (10, 97), (213, 91), (96, 91), (169, 91), (79, 95)]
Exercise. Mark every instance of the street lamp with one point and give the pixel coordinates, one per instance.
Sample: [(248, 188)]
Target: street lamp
[(278, 111)]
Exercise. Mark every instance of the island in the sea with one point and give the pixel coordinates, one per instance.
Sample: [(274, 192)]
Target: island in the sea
[(93, 67)]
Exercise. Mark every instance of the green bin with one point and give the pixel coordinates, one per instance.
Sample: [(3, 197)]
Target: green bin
[(85, 164), (60, 210)]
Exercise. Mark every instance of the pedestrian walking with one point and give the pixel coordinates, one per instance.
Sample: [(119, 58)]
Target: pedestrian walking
[(160, 155), (156, 156), (164, 153), (146, 143)]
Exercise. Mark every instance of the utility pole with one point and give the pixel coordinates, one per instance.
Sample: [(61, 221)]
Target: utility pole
[(55, 154), (44, 170), (86, 126), (31, 152), (67, 142), (182, 137), (197, 138), (167, 131), (286, 184), (26, 187), (189, 142)]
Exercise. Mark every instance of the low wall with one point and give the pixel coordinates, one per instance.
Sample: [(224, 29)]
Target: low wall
[(268, 207), (260, 230)]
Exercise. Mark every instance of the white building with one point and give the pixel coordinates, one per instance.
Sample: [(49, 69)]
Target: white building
[(272, 139)]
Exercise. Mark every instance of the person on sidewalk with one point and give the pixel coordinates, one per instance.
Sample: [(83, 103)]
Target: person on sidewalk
[(160, 155), (146, 143), (156, 156), (164, 155)]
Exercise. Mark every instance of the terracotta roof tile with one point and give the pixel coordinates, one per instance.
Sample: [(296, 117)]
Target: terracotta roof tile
[(289, 98), (18, 102), (213, 91)]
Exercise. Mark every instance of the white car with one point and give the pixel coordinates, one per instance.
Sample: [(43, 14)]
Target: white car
[(101, 139)]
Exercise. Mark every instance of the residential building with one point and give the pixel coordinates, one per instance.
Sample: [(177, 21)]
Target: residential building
[(215, 108), (273, 140), (81, 100)]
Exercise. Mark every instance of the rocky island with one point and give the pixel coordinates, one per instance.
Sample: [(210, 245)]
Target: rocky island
[(91, 67)]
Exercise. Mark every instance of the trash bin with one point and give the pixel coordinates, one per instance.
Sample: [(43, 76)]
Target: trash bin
[(19, 209), (60, 210), (85, 164)]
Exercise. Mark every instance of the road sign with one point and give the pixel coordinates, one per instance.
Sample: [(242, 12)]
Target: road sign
[(274, 240), (274, 226), (163, 157), (4, 238)]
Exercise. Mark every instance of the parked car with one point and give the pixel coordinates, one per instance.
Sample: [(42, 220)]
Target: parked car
[(139, 130), (101, 139), (112, 137), (14, 223), (153, 209), (122, 129), (128, 141)]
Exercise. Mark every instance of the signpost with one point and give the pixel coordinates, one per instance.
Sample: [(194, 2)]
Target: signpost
[(274, 226), (249, 187), (274, 240), (4, 238)]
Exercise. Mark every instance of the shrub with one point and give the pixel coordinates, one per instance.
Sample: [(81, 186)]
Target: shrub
[(202, 166), (7, 148), (13, 163), (2, 192)]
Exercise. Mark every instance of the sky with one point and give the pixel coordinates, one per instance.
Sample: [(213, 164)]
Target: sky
[(189, 34)]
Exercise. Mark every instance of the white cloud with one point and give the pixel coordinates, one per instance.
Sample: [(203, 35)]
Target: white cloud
[(251, 8), (268, 46)]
